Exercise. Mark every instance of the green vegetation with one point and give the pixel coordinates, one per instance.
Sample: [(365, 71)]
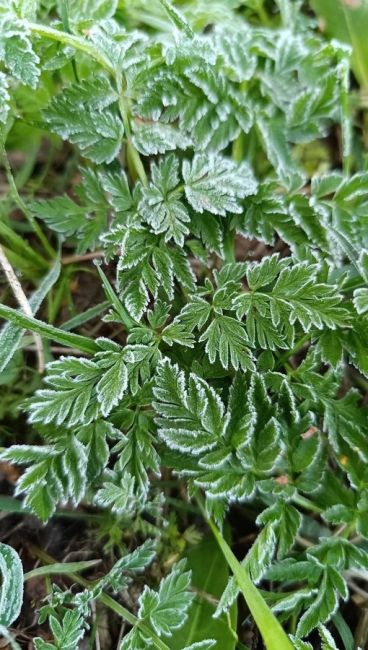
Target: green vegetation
[(184, 342)]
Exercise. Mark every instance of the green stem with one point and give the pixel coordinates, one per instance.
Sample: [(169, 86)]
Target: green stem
[(77, 42), (82, 343), (346, 124), (64, 12), (273, 635), (306, 503), (238, 148), (229, 247), (82, 45), (262, 14), (298, 346)]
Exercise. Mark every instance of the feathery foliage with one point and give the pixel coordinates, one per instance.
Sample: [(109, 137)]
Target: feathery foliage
[(236, 369)]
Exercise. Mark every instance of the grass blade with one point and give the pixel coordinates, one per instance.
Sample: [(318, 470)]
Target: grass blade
[(85, 316), (60, 568), (272, 633), (82, 343)]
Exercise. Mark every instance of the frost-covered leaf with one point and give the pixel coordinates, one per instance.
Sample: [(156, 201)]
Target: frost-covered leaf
[(217, 184), (190, 417), (82, 114), (4, 98), (226, 338), (295, 296), (11, 593), (91, 10), (134, 562), (161, 204), (278, 152), (361, 300), (157, 138), (67, 632), (79, 389), (148, 265), (16, 49), (167, 609), (117, 496)]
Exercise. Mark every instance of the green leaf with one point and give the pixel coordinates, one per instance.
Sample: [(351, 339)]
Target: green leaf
[(60, 568), (226, 338), (167, 609), (58, 472), (326, 602), (157, 138), (118, 577), (16, 49), (161, 204), (97, 130), (4, 98), (67, 633), (117, 496), (361, 300), (11, 593), (90, 10), (286, 521), (217, 184), (177, 18), (190, 415), (78, 390), (278, 153), (148, 265)]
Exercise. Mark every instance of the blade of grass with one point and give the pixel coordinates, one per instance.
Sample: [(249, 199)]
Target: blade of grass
[(13, 241), (82, 343), (344, 631), (60, 568), (274, 637), (87, 315), (114, 300)]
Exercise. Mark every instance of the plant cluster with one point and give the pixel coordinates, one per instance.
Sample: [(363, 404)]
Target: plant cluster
[(242, 374)]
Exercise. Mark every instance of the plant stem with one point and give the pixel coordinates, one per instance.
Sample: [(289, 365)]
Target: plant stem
[(229, 247), (77, 42), (82, 45), (298, 346), (115, 302), (303, 502)]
